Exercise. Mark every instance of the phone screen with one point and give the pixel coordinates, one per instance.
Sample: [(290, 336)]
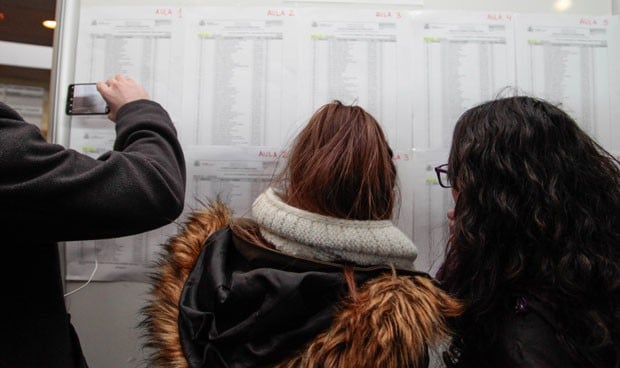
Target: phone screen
[(84, 99)]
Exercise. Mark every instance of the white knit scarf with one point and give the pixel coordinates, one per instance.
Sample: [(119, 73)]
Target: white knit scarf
[(304, 234)]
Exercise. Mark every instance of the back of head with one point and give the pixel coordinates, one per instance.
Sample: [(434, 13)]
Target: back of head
[(544, 180), (537, 209), (341, 165)]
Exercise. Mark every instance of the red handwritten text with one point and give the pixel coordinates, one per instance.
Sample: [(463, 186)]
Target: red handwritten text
[(589, 22), (401, 157), (388, 14), (280, 13), (499, 16), (272, 154)]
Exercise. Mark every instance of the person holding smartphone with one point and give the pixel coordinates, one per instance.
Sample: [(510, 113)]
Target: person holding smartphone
[(49, 193)]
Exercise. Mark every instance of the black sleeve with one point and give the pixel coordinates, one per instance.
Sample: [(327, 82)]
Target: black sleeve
[(48, 192)]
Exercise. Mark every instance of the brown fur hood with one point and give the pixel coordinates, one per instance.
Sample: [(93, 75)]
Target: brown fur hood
[(390, 321)]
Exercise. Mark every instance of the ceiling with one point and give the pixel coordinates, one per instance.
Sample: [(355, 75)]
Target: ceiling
[(20, 21)]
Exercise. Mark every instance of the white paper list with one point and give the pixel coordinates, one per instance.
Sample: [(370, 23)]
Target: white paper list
[(127, 258), (461, 60), (137, 42), (26, 100), (235, 175), (239, 82), (568, 60), (134, 41), (424, 206), (235, 63), (356, 57)]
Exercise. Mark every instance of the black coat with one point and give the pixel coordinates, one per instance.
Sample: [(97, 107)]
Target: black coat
[(50, 194), (528, 338), (245, 306), (219, 299)]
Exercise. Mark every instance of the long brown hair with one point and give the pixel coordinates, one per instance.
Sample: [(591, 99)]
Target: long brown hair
[(340, 165)]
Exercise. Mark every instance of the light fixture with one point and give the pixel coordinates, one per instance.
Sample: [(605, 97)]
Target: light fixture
[(51, 24), (562, 5)]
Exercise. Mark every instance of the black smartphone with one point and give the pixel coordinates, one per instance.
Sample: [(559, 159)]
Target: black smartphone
[(84, 99)]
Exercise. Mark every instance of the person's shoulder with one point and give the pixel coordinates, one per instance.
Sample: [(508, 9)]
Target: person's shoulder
[(7, 112), (528, 336), (17, 135)]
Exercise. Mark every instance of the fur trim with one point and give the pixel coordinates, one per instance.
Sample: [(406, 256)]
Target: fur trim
[(162, 311), (391, 324)]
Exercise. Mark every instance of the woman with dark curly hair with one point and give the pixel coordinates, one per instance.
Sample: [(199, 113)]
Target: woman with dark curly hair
[(535, 240)]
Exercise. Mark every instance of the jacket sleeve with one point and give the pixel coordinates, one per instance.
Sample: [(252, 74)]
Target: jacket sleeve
[(48, 192)]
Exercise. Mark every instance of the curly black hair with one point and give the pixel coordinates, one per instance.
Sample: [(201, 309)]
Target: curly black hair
[(538, 212)]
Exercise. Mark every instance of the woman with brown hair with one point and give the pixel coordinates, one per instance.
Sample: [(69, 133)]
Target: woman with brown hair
[(319, 277)]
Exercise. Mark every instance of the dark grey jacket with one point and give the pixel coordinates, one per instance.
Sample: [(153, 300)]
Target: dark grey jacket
[(50, 194)]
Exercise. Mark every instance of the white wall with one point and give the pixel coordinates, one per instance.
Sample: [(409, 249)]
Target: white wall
[(106, 314), (25, 55)]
